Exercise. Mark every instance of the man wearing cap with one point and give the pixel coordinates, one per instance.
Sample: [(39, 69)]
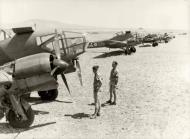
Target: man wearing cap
[(113, 83), (97, 84)]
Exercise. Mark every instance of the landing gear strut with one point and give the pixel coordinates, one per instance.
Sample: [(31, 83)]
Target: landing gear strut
[(20, 114)]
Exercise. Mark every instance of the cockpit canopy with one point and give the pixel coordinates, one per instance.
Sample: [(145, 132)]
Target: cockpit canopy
[(5, 34), (72, 43)]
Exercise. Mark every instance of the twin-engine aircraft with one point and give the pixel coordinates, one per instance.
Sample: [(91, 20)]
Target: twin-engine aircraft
[(123, 40), (30, 61)]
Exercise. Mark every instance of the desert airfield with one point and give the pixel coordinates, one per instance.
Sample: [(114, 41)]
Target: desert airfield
[(153, 98)]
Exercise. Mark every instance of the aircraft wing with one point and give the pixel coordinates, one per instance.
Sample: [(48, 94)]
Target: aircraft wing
[(113, 44), (117, 42)]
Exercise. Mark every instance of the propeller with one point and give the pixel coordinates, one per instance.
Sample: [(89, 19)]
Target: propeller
[(59, 64), (65, 81), (79, 72)]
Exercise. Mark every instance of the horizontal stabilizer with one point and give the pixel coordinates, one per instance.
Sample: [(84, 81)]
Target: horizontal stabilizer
[(23, 30)]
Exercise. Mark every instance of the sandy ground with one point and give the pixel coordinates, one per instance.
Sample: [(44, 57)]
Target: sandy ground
[(153, 98)]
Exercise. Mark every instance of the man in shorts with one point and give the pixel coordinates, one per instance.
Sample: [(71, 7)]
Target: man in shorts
[(97, 84), (113, 83)]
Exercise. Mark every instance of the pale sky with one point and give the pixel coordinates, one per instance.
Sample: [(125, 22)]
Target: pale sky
[(157, 14)]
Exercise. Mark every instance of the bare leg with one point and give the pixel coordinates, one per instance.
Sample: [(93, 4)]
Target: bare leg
[(96, 106), (115, 97), (99, 107), (111, 90)]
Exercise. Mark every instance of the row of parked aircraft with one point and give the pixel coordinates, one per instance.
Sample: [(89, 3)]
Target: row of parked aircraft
[(31, 60), (128, 40)]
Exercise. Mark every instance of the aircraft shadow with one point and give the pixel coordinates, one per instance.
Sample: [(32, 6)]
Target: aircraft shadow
[(37, 100), (5, 128), (78, 115), (109, 54), (37, 112)]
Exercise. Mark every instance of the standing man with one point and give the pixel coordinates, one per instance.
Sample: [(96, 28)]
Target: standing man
[(97, 84), (113, 83)]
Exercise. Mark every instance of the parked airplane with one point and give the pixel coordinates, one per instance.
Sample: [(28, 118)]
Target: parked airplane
[(155, 39), (30, 61), (125, 41)]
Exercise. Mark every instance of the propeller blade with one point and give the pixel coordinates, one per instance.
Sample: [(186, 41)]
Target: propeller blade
[(59, 65), (54, 70), (56, 46), (79, 72), (65, 81)]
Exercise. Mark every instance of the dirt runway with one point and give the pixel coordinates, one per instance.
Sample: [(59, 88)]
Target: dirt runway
[(153, 98)]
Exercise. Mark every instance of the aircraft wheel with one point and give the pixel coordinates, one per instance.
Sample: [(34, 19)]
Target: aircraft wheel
[(127, 51), (155, 44), (166, 41), (16, 121), (133, 49), (48, 95)]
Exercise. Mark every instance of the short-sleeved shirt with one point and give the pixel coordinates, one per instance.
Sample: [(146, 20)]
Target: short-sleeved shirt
[(114, 76), (97, 82)]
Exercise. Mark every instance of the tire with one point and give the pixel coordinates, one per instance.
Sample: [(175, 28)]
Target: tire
[(154, 44), (48, 95), (127, 51), (133, 49), (16, 122)]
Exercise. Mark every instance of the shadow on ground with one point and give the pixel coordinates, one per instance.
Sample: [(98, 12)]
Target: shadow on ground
[(91, 104), (5, 128), (78, 115), (109, 54), (37, 100), (37, 112)]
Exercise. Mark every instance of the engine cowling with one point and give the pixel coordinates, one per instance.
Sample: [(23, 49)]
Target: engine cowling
[(32, 65)]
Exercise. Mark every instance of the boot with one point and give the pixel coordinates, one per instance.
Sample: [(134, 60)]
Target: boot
[(109, 101), (113, 103), (93, 116)]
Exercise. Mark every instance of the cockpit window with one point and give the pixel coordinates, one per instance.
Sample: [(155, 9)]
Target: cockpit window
[(42, 39), (5, 34), (71, 43)]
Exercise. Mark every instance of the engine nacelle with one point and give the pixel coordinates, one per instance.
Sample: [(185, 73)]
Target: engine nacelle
[(35, 83), (32, 65)]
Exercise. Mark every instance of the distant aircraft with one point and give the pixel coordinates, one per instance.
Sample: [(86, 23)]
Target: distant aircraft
[(30, 61), (125, 41), (151, 38), (155, 39), (166, 37)]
